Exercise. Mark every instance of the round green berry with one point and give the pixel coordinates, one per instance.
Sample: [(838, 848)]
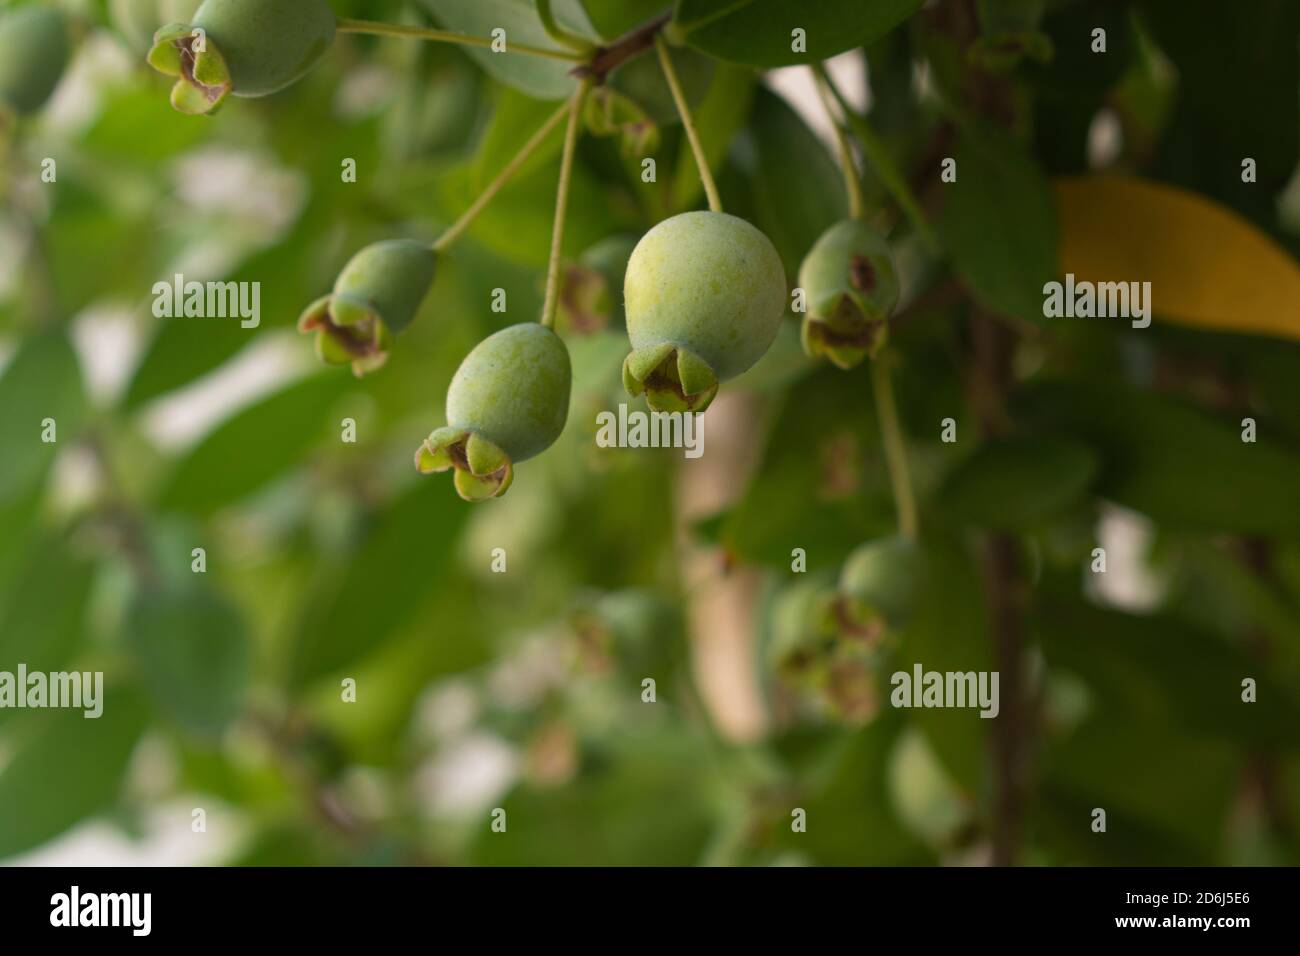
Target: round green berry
[(851, 287), (704, 296), (507, 402), (244, 47), (34, 51)]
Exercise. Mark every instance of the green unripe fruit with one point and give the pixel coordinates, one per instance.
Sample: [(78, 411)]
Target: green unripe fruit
[(884, 575), (507, 402), (851, 286), (513, 388), (704, 296), (378, 294), (244, 47), (34, 51), (813, 654)]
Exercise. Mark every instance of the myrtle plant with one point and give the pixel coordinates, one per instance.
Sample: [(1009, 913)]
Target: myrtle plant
[(871, 429)]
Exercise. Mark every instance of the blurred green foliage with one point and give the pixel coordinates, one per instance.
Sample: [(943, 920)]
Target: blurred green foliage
[(328, 561)]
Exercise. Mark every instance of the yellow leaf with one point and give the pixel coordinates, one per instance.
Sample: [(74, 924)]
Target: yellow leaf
[(1208, 267)]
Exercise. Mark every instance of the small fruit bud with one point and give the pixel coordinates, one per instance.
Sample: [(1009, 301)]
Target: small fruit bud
[(378, 294), (609, 113), (852, 287), (585, 301), (507, 402), (1009, 34), (248, 48)]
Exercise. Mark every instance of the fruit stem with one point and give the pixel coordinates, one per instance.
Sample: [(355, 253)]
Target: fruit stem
[(852, 181), (880, 160), (670, 74), (374, 28), (558, 33), (503, 177), (895, 449), (562, 203)]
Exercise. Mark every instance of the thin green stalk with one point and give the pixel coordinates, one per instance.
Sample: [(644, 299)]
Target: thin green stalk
[(895, 449), (880, 160), (670, 74), (503, 177), (562, 204), (374, 28), (852, 181), (558, 33)]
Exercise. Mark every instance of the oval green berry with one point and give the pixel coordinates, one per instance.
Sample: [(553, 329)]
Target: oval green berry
[(248, 48), (34, 51), (704, 296), (851, 287), (378, 294), (507, 402)]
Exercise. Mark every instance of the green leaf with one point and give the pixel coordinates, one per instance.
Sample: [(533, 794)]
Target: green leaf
[(853, 793), (647, 811), (642, 79), (1183, 468), (999, 225), (1167, 675), (538, 76), (282, 428), (129, 131), (1017, 483), (759, 32), (185, 349), (1237, 80), (821, 485), (515, 118), (797, 187), (18, 524), (42, 382), (1161, 787), (1062, 816), (42, 616), (193, 654), (95, 245), (948, 630), (517, 223), (64, 769), (436, 108), (356, 608), (613, 18)]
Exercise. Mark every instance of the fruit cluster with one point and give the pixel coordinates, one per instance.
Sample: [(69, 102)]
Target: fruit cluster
[(704, 292), (829, 638)]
